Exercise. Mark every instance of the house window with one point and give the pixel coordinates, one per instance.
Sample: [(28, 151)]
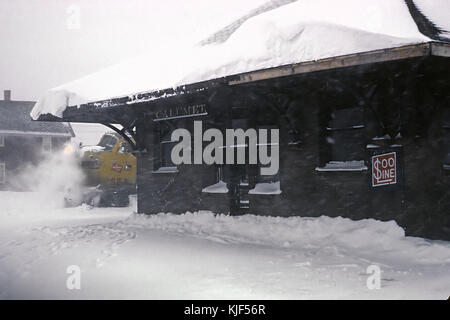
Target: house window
[(47, 144), (344, 141), (163, 163), (2, 141), (2, 173), (166, 153), (446, 139), (267, 184), (446, 164)]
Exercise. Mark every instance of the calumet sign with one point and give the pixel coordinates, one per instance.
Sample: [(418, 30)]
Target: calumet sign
[(181, 112)]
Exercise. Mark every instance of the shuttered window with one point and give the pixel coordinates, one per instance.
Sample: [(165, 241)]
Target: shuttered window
[(345, 141), (47, 144), (446, 139), (2, 173), (163, 151)]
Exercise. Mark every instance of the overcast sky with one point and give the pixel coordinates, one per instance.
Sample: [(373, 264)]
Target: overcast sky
[(45, 43)]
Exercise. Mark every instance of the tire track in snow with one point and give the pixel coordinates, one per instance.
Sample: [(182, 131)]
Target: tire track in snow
[(40, 242), (114, 234)]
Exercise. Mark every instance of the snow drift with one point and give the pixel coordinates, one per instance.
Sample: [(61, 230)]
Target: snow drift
[(300, 31), (205, 256), (380, 240)]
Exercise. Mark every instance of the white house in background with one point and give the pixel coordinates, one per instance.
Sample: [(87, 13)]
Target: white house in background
[(23, 141)]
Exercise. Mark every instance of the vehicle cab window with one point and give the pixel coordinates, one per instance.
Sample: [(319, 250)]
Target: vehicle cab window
[(108, 142)]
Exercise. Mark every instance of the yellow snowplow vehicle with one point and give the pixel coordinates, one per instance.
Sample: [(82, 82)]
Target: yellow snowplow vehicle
[(110, 170)]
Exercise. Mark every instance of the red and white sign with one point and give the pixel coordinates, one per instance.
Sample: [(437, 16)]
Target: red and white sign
[(384, 169), (117, 167)]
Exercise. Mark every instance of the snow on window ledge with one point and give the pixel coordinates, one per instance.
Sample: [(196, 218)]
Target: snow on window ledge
[(166, 170), (219, 187), (266, 188), (354, 165), (379, 138)]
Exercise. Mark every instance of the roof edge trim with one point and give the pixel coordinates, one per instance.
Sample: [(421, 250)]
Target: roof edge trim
[(33, 133), (382, 55)]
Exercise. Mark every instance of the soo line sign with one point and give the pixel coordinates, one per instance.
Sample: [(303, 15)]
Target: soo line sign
[(384, 169)]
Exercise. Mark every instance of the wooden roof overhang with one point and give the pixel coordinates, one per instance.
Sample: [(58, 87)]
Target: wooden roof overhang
[(127, 110)]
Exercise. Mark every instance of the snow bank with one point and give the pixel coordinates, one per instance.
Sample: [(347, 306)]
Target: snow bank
[(301, 31), (382, 239)]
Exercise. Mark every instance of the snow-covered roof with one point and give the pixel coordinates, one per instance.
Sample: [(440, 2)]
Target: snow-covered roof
[(278, 33), (15, 121)]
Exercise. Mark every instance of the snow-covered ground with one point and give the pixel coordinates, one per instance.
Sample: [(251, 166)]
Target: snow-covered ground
[(203, 256)]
